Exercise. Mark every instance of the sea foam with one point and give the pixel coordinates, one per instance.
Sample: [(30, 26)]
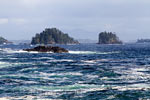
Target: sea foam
[(91, 52)]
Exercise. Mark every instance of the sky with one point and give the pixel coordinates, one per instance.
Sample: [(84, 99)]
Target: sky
[(81, 19)]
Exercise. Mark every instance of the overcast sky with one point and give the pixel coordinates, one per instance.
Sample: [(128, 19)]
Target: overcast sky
[(81, 19)]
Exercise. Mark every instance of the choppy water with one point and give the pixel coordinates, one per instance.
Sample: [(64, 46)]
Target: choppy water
[(87, 72)]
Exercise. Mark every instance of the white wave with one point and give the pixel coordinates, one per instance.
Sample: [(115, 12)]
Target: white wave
[(25, 69), (60, 60), (45, 58), (19, 98), (91, 52), (22, 51), (75, 87), (111, 97), (31, 97), (7, 64), (4, 98), (132, 87), (92, 76), (84, 64), (13, 58), (4, 64), (61, 74), (92, 62), (9, 50), (89, 61), (61, 77)]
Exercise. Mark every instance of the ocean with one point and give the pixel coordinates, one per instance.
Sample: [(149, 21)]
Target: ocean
[(87, 72)]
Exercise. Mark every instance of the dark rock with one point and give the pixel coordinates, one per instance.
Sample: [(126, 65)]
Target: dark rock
[(47, 49)]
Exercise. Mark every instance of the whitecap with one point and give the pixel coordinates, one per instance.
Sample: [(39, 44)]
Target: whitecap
[(61, 60), (92, 76), (25, 69), (7, 64), (19, 98), (9, 50), (4, 64), (46, 58), (84, 64), (61, 74), (91, 52), (4, 98), (75, 87), (141, 86), (89, 61)]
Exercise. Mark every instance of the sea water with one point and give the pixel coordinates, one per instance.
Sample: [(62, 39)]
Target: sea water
[(87, 72)]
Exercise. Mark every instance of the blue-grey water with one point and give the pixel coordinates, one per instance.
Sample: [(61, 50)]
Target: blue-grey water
[(87, 72)]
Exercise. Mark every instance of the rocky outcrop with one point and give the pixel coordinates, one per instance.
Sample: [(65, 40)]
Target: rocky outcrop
[(52, 36), (108, 38), (4, 41), (47, 49)]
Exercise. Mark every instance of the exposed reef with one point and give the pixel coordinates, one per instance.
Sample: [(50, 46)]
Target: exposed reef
[(47, 49)]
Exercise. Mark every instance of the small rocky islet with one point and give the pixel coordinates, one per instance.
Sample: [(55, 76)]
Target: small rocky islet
[(108, 38), (53, 36), (4, 41), (54, 49)]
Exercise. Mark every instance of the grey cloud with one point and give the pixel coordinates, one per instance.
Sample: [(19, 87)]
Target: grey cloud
[(80, 18)]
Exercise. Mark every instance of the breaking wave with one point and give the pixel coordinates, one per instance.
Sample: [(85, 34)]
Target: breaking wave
[(91, 52)]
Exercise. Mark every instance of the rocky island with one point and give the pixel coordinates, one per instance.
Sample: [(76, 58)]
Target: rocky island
[(52, 36), (4, 41), (108, 38), (47, 49)]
